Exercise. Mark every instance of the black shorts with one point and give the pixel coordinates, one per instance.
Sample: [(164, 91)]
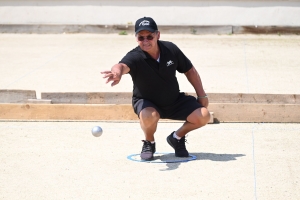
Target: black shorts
[(179, 110)]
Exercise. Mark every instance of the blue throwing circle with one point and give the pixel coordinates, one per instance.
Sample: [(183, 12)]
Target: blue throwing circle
[(162, 158)]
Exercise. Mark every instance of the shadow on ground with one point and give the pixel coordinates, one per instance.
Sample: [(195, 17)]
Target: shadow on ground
[(199, 156)]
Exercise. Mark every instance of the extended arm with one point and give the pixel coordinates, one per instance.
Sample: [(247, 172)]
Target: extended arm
[(194, 78), (115, 74)]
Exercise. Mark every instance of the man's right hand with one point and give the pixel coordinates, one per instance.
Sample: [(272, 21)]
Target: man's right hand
[(112, 76), (116, 73)]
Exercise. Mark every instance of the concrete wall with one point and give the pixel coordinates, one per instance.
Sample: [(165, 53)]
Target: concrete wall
[(170, 12)]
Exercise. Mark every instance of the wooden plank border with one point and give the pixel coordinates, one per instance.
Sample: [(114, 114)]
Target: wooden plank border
[(223, 112), (125, 98), (16, 96)]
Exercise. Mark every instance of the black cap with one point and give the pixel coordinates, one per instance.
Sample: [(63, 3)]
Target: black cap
[(145, 23)]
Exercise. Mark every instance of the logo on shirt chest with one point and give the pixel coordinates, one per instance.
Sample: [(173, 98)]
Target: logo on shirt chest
[(169, 63)]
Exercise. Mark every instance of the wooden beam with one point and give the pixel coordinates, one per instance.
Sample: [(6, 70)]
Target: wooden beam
[(125, 98), (231, 112), (223, 112), (16, 96)]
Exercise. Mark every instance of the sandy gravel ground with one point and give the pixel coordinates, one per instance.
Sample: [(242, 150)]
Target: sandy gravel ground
[(226, 63), (62, 160)]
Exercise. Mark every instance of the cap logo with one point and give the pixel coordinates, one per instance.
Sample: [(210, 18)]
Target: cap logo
[(144, 23)]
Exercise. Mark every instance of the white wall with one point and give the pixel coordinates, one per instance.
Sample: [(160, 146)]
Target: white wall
[(171, 12)]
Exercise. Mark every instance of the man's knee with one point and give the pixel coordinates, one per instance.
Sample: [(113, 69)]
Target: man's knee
[(199, 117), (149, 115)]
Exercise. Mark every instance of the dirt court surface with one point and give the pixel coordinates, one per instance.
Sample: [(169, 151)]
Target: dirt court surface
[(73, 62), (62, 160)]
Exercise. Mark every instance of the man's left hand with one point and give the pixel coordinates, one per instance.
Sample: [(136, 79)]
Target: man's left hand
[(204, 102)]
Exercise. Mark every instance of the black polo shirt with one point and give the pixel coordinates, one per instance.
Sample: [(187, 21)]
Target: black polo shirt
[(156, 81)]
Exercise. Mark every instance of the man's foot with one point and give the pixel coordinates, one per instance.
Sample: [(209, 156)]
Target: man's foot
[(178, 145), (148, 150)]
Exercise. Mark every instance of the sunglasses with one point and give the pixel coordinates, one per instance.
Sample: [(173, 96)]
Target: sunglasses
[(142, 38)]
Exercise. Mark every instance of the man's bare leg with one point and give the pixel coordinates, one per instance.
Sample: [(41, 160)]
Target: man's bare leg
[(200, 117), (149, 118), (196, 119)]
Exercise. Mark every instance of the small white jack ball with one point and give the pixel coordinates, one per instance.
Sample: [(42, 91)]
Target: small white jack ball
[(97, 131)]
